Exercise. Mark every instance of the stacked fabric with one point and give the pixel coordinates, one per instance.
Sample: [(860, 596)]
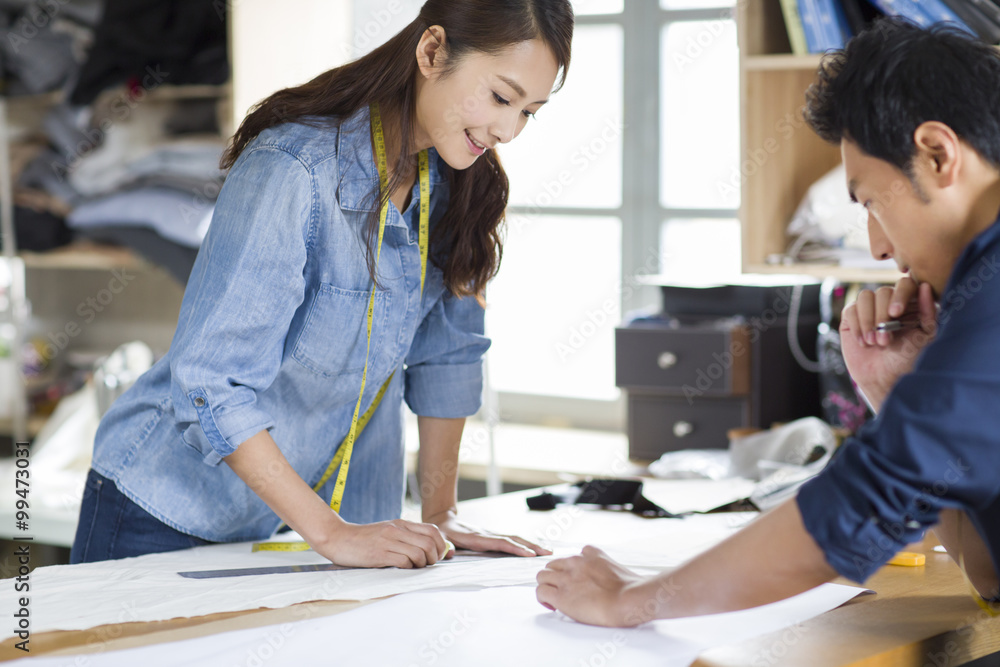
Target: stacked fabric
[(44, 45), (113, 166)]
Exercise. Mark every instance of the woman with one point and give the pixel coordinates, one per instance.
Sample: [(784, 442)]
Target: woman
[(315, 305)]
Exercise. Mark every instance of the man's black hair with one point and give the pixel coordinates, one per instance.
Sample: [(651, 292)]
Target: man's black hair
[(894, 76)]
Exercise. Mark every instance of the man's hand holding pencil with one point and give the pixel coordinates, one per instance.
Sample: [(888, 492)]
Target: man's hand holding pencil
[(882, 333)]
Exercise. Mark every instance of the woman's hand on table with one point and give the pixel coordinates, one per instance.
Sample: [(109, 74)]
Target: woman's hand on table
[(397, 543), (465, 536)]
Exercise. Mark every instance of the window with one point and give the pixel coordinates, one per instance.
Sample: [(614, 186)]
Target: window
[(626, 172), (699, 146), (556, 301)]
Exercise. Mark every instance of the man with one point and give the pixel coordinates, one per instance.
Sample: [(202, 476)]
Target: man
[(917, 115)]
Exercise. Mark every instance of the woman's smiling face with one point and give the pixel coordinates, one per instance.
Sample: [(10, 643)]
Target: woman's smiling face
[(482, 101)]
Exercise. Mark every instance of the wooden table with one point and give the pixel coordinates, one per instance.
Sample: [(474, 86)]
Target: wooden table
[(923, 616), (920, 616)]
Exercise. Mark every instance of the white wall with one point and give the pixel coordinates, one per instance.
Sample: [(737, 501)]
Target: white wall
[(279, 44), (375, 21)]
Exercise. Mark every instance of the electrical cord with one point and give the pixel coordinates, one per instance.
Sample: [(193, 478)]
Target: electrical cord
[(793, 332)]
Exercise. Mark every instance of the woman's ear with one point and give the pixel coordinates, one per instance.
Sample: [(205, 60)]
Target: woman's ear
[(431, 52), (938, 151)]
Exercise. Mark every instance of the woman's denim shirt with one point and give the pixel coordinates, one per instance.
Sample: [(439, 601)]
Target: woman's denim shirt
[(271, 335)]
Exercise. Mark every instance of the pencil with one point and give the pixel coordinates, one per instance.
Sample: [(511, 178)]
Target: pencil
[(897, 325)]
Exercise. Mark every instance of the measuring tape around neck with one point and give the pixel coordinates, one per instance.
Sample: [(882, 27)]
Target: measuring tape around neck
[(342, 459)]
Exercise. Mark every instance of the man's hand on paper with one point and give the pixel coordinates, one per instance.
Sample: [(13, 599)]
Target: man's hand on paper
[(876, 360), (464, 536), (589, 588)]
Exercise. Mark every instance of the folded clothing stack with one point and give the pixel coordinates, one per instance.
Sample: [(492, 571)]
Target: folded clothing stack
[(128, 170)]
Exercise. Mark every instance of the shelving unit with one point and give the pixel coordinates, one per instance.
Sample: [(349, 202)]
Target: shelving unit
[(781, 156), (295, 54), (27, 111)]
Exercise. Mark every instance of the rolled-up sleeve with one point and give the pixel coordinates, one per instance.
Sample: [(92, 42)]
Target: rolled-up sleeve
[(444, 367), (932, 447), (245, 287)]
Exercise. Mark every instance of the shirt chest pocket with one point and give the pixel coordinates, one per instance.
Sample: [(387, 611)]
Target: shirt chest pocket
[(334, 338)]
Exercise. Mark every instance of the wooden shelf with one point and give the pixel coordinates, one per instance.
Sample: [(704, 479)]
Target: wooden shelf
[(35, 425), (169, 93), (780, 156), (190, 92), (37, 99), (85, 256), (164, 92), (844, 273), (782, 61)]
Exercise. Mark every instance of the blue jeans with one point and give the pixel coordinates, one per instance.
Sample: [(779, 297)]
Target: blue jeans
[(112, 526)]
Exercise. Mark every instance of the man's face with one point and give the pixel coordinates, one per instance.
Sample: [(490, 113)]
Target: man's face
[(907, 222)]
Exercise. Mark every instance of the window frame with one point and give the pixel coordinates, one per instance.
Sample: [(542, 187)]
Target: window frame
[(641, 211)]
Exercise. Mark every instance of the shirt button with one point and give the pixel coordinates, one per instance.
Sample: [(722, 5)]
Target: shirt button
[(913, 525), (199, 401)]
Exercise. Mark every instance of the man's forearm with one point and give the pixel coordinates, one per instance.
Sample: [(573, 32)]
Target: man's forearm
[(771, 559)]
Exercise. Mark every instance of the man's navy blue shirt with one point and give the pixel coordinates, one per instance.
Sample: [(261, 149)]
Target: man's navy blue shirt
[(935, 443)]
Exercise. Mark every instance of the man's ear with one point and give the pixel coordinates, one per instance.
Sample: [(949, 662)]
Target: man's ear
[(431, 52), (938, 152)]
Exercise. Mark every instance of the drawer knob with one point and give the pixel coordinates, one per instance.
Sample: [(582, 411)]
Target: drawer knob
[(666, 360), (683, 428)]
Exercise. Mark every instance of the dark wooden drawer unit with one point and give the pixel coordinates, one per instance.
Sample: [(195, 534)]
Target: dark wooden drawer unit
[(710, 361), (687, 384), (658, 424)]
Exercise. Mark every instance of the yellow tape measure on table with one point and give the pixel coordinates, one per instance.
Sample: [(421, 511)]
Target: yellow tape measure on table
[(342, 459)]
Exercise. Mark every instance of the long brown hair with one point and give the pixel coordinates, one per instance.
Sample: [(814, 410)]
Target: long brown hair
[(467, 243)]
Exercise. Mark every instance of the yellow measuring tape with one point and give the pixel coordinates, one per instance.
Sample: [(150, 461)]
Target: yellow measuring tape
[(342, 458)]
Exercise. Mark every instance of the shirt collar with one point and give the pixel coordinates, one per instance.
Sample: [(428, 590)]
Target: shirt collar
[(358, 171), (988, 241)]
